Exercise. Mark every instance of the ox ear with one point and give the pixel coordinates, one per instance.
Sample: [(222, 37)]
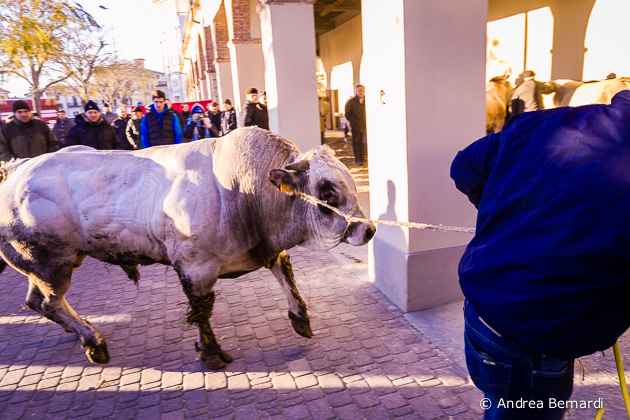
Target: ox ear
[(283, 180), (299, 166)]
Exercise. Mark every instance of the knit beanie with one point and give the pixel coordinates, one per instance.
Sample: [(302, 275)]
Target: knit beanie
[(197, 110), (91, 105), (227, 102), (250, 91), (17, 105)]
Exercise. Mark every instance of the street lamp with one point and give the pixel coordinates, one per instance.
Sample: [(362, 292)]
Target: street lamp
[(111, 25)]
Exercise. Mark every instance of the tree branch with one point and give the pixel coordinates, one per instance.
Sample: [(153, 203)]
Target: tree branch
[(57, 81)]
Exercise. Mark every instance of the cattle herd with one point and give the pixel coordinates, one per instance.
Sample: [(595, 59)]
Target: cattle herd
[(566, 93), (215, 208)]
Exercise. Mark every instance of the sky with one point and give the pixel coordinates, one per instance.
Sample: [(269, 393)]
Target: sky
[(129, 23)]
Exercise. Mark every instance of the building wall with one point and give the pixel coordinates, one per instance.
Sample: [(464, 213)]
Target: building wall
[(342, 45)]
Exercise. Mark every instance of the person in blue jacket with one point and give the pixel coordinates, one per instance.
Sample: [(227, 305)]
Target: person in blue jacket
[(199, 126), (160, 125), (547, 275)]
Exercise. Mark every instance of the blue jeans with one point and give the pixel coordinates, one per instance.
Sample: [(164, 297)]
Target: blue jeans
[(518, 384)]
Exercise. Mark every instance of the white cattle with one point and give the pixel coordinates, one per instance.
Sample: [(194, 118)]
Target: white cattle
[(212, 209), (575, 93)]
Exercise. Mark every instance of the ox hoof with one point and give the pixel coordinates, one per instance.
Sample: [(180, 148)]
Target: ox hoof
[(212, 361), (225, 357), (98, 354), (302, 326)]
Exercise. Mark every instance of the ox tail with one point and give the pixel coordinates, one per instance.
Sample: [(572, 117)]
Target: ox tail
[(7, 168)]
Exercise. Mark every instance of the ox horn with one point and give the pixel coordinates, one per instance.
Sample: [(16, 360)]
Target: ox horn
[(299, 166)]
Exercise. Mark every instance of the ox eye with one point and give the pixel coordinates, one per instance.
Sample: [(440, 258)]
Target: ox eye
[(329, 195)]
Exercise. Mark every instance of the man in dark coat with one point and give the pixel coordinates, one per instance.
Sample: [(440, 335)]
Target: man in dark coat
[(546, 276), (228, 118), (107, 114), (160, 126), (527, 96), (120, 125), (62, 126), (262, 108), (91, 129), (185, 111), (215, 116), (355, 114), (24, 136), (133, 129), (250, 112)]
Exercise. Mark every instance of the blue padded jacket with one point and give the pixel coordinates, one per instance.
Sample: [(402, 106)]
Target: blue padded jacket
[(549, 265)]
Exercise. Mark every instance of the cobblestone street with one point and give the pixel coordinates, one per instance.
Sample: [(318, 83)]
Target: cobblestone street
[(365, 361)]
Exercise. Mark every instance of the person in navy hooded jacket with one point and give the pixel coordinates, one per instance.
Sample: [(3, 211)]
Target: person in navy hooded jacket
[(547, 275), (160, 126)]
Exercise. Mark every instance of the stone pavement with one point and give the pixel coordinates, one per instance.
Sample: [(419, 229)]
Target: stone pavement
[(365, 362)]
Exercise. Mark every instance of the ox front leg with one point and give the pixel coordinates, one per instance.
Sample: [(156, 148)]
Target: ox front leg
[(280, 266), (48, 299), (201, 298)]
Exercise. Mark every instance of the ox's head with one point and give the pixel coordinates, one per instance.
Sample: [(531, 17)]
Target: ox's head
[(320, 174)]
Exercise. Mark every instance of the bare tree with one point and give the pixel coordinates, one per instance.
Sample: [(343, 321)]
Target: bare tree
[(82, 58), (32, 34), (119, 80)]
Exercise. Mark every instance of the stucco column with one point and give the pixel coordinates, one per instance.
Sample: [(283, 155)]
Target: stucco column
[(423, 69), (570, 21), (246, 59), (288, 41), (224, 80)]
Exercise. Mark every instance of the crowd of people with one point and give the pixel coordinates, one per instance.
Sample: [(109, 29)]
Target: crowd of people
[(25, 135), (162, 124)]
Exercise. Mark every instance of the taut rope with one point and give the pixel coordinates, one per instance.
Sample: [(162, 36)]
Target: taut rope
[(351, 219)]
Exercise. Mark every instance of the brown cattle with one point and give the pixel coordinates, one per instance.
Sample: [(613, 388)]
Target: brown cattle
[(498, 93)]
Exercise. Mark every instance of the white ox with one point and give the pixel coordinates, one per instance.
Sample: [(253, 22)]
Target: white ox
[(207, 208), (575, 93)]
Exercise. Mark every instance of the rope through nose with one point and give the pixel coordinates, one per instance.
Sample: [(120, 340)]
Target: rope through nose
[(351, 219)]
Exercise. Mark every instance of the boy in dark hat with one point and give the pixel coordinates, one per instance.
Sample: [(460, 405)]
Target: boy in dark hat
[(228, 118), (250, 112), (199, 126), (25, 137), (91, 129)]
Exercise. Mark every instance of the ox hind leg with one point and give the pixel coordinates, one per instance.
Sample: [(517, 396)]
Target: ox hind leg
[(46, 295), (199, 290), (281, 268)]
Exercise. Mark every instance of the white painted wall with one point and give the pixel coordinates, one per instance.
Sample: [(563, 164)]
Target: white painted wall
[(343, 44), (247, 70)]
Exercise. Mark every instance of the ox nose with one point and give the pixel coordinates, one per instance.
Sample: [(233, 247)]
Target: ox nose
[(370, 232)]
